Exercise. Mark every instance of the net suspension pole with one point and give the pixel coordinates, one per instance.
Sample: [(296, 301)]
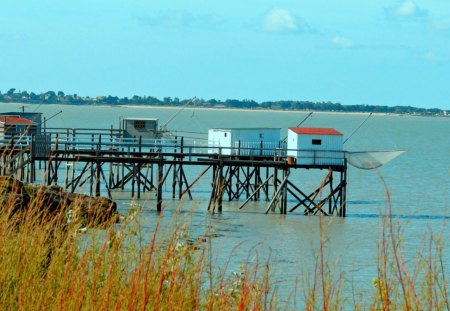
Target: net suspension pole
[(362, 123)]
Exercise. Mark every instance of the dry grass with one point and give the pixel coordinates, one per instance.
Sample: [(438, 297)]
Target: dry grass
[(418, 285), (47, 264)]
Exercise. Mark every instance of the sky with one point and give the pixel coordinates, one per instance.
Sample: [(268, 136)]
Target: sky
[(382, 52)]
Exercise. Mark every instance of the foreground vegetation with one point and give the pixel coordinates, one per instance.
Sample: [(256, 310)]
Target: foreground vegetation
[(48, 264), (51, 97)]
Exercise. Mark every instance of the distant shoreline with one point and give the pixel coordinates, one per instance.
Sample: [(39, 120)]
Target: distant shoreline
[(171, 107), (250, 110), (60, 98)]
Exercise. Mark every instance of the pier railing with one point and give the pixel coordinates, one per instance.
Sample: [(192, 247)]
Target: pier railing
[(176, 146), (15, 141)]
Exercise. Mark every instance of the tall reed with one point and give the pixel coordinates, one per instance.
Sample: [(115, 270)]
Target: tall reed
[(46, 263)]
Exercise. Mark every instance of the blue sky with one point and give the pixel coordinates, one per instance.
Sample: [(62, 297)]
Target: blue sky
[(382, 52)]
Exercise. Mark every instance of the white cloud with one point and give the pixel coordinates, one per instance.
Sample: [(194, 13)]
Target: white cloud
[(429, 56), (406, 9), (342, 42), (280, 20), (440, 25), (175, 19)]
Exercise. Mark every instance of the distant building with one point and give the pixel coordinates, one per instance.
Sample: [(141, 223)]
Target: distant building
[(140, 127), (14, 126), (35, 117), (315, 146), (252, 141)]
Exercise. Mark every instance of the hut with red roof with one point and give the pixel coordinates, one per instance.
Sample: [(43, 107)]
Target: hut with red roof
[(16, 126), (315, 146)]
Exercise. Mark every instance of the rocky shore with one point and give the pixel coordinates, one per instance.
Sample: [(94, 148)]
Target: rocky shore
[(18, 197)]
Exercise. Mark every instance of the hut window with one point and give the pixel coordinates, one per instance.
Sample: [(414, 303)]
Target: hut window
[(317, 141), (224, 134), (139, 124)]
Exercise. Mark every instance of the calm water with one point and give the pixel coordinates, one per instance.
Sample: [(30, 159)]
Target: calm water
[(419, 183)]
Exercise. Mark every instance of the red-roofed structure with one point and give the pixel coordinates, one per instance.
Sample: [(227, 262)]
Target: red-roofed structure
[(15, 120), (315, 145), (13, 126), (314, 131)]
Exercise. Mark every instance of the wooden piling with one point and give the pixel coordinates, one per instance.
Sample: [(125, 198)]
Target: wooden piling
[(160, 183)]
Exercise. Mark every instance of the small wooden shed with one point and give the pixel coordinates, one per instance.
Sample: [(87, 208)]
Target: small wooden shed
[(36, 117), (315, 146), (243, 141), (16, 126), (140, 127)]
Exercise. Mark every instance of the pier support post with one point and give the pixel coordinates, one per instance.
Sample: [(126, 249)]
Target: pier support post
[(174, 180), (221, 188), (218, 188), (160, 183), (284, 192), (343, 193), (97, 178), (138, 181)]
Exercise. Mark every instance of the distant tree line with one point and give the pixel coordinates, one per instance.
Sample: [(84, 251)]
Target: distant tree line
[(51, 97)]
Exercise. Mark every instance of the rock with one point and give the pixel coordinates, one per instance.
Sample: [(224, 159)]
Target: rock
[(13, 195), (16, 196), (93, 210)]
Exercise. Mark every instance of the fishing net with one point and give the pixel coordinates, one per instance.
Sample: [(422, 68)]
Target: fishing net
[(368, 160)]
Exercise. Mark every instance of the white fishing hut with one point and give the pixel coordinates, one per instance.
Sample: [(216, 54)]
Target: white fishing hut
[(243, 141), (140, 127), (16, 126), (315, 146)]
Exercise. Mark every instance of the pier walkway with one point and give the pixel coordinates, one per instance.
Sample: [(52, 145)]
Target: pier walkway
[(103, 161)]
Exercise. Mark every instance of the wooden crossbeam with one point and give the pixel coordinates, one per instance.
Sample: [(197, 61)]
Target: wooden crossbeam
[(277, 194), (106, 183), (188, 189), (187, 184), (309, 198), (76, 181), (320, 204), (256, 191), (241, 188)]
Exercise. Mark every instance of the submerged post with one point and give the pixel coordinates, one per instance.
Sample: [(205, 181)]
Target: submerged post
[(160, 182), (97, 178), (221, 187), (343, 210)]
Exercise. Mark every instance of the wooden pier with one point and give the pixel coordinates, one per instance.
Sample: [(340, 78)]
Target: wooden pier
[(103, 161)]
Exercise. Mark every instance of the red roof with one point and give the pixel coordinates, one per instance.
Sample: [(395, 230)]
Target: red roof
[(16, 120), (314, 131)]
